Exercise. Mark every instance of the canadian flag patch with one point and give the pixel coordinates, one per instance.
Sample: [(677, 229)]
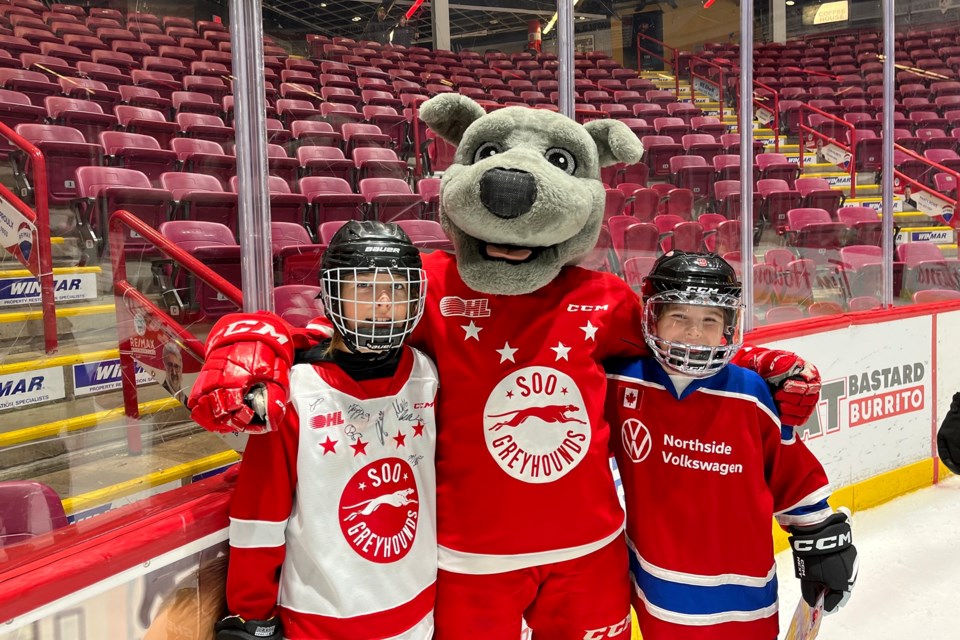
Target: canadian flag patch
[(630, 398)]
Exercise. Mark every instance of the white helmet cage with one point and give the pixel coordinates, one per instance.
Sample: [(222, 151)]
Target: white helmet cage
[(698, 361), (390, 319)]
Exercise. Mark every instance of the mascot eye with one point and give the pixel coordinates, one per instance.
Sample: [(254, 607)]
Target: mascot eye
[(486, 150), (561, 159)]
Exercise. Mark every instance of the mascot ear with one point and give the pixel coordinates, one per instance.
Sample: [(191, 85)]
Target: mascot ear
[(615, 142), (449, 115)]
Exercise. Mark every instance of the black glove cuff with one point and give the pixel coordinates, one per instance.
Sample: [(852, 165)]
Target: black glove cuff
[(829, 537), (236, 628)]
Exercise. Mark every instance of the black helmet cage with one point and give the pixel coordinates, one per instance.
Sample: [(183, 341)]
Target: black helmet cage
[(378, 249)]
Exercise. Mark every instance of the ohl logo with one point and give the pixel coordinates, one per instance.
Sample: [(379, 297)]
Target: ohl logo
[(637, 442), (326, 420), (535, 426), (380, 510)]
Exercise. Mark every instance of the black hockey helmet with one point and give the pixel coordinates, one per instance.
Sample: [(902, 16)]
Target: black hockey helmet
[(697, 279), (381, 257), (697, 272), (370, 244)]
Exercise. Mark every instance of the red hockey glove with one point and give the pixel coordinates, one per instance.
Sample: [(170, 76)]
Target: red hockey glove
[(243, 385), (795, 382)]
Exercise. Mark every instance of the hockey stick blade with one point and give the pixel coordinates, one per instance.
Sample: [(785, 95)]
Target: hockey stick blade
[(806, 620)]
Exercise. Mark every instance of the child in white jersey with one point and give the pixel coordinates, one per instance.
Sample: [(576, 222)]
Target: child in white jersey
[(333, 523)]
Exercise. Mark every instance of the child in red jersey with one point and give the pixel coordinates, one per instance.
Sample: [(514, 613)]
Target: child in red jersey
[(706, 464)]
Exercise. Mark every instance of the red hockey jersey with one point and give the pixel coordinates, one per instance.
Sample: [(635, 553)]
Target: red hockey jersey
[(523, 476), (334, 515), (702, 475)]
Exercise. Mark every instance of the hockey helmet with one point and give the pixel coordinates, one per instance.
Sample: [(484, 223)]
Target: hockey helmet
[(698, 279), (364, 262)]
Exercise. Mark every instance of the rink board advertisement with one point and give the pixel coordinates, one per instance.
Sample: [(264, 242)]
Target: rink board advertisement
[(874, 413)]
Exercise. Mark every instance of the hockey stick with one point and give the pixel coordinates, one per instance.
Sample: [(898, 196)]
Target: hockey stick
[(806, 620)]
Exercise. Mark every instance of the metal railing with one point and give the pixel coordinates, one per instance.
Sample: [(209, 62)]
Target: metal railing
[(720, 82), (672, 64), (776, 110), (917, 183), (132, 302), (849, 147), (19, 220)]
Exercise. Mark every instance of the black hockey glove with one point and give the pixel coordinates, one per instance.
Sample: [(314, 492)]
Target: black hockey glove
[(236, 628), (825, 559), (948, 438)]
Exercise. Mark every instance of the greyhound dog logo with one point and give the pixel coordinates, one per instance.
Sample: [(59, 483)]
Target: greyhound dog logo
[(551, 414), (396, 499), (379, 510), (535, 425)]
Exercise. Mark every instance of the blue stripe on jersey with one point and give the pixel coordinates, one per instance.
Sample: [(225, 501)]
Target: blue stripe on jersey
[(786, 432), (807, 509), (731, 379), (694, 600)]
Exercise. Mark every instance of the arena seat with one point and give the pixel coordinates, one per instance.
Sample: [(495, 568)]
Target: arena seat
[(285, 206), (32, 84), (429, 190), (206, 127), (314, 133), (426, 234), (778, 199), (816, 193), (658, 150), (297, 304), (390, 199), (28, 509), (214, 245), (374, 162), (281, 165), (296, 258), (692, 172), (325, 161), (64, 149), (139, 152), (146, 121), (16, 109), (814, 233), (103, 190), (358, 134), (863, 223), (204, 156), (202, 197)]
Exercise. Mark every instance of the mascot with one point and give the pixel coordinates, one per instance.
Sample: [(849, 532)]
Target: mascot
[(529, 523)]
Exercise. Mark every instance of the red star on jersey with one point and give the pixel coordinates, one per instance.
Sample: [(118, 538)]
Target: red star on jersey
[(330, 446), (401, 439), (359, 447), (418, 429)]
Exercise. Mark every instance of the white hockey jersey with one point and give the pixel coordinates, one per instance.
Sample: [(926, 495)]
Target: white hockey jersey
[(342, 498)]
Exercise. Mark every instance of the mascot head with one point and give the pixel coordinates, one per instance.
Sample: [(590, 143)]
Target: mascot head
[(523, 197)]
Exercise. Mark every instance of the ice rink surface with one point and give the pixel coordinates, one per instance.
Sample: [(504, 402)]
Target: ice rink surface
[(909, 583)]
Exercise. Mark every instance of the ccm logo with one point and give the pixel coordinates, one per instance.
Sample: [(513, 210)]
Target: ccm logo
[(587, 307), (252, 326), (608, 632), (824, 544), (702, 289), (423, 405)]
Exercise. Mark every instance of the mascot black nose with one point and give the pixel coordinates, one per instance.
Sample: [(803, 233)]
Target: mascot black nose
[(508, 193)]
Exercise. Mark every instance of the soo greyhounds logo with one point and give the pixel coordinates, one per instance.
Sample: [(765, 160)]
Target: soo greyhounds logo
[(636, 440), (535, 425), (379, 510)]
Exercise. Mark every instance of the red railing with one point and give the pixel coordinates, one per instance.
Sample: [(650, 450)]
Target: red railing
[(920, 186), (674, 63), (39, 228), (776, 110), (720, 83), (130, 300), (850, 147)]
